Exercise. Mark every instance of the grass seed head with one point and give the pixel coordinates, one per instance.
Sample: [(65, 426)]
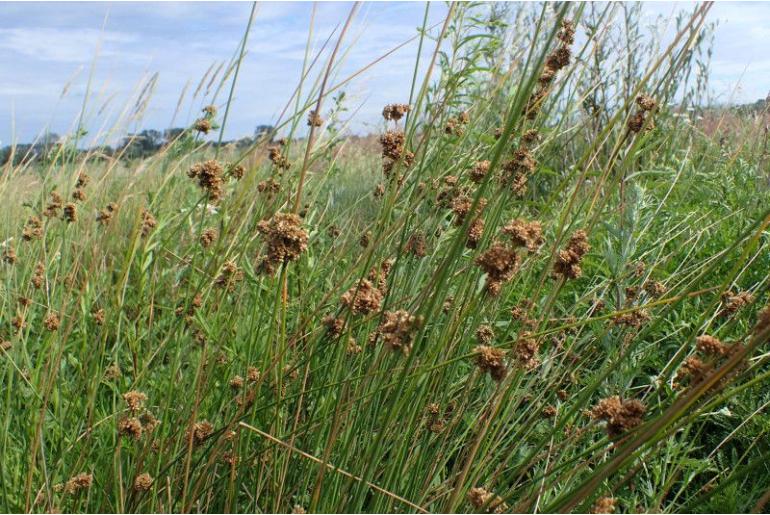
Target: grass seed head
[(397, 330), (491, 360), (394, 111), (362, 298), (143, 482), (135, 400), (210, 178), (568, 261), (500, 263)]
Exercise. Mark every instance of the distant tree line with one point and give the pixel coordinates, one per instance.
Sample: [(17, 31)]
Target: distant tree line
[(132, 146)]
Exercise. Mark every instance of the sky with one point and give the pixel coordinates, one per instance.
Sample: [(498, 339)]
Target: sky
[(55, 55)]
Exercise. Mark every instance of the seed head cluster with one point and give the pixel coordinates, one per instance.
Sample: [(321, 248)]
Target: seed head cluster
[(286, 240), (620, 415), (568, 261)]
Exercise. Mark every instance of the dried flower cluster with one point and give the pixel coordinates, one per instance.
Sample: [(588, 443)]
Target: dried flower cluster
[(286, 240), (568, 261), (314, 119), (481, 498), (733, 302), (395, 111), (620, 415), (556, 61), (104, 216), (500, 263), (275, 154), (642, 118), (525, 234), (491, 360), (33, 229), (200, 432), (517, 169), (455, 125), (525, 352), (363, 298), (397, 330), (210, 178)]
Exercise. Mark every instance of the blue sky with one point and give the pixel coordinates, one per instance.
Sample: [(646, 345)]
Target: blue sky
[(47, 46)]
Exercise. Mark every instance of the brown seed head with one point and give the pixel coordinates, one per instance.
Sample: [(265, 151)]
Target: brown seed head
[(135, 400), (394, 111), (397, 330), (492, 360), (209, 175), (143, 482), (363, 298)]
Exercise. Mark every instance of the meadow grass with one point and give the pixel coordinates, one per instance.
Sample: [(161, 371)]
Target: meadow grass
[(539, 289)]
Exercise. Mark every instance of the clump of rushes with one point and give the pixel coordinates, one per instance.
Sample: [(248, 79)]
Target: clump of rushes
[(483, 499), (208, 237), (556, 61), (604, 505), (363, 298), (500, 263), (733, 302), (314, 119), (104, 216), (286, 240), (33, 229), (148, 223), (53, 207), (395, 112), (620, 415), (642, 118), (209, 175), (568, 261), (397, 330), (143, 482), (525, 234), (491, 360), (70, 213)]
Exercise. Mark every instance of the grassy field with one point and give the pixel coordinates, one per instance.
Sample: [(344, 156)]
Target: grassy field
[(541, 288)]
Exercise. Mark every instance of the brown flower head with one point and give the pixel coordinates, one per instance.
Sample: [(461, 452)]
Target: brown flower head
[(314, 119), (363, 298), (479, 171), (54, 205), (525, 234), (51, 321), (710, 346), (236, 171), (416, 245), (148, 223), (491, 360), (604, 505), (135, 400), (734, 302), (200, 432), (568, 261), (143, 482), (130, 427), (209, 175), (397, 330), (525, 352), (286, 238), (33, 230), (9, 254), (70, 213), (475, 232), (202, 125), (485, 335), (76, 483), (620, 415), (481, 498), (208, 237), (500, 263), (394, 111), (392, 143), (105, 215)]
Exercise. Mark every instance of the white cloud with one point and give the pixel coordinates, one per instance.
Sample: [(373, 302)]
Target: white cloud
[(65, 45)]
